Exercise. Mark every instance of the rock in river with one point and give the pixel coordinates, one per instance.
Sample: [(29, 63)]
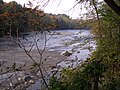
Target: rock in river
[(66, 53)]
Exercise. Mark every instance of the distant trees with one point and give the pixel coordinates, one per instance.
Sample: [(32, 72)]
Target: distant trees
[(65, 22), (10, 18), (15, 19)]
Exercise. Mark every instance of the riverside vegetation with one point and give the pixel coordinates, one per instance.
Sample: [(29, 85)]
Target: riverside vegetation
[(102, 70)]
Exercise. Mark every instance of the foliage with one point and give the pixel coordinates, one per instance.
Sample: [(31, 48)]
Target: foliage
[(80, 78), (15, 19), (102, 70)]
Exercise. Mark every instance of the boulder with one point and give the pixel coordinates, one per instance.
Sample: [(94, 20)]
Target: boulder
[(78, 51), (29, 79), (66, 53)]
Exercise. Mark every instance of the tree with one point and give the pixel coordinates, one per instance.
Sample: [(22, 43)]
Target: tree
[(113, 5), (107, 53), (1, 2)]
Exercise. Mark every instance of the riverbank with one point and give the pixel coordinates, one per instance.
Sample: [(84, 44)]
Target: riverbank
[(23, 64), (50, 58)]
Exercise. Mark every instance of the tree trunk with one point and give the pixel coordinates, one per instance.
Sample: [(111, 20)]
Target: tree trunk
[(113, 5), (96, 80), (96, 75)]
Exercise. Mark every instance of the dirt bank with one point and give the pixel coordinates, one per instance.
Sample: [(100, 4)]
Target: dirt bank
[(49, 58)]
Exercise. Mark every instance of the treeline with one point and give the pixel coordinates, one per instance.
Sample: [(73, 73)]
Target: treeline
[(15, 19)]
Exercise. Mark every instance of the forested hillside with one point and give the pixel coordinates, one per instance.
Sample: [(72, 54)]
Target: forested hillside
[(15, 19)]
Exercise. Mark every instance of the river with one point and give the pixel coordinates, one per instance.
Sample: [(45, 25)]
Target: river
[(55, 42)]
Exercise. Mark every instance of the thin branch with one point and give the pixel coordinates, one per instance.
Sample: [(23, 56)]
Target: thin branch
[(28, 54)]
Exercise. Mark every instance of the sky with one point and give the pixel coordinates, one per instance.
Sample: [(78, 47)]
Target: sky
[(56, 7)]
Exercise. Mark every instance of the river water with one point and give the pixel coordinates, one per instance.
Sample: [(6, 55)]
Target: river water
[(77, 42)]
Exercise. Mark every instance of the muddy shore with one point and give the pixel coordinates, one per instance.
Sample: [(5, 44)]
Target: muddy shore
[(49, 58)]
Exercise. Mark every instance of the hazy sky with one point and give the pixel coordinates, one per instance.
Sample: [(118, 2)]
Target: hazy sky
[(56, 7)]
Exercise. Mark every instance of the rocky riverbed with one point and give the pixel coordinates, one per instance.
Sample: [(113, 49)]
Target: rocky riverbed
[(62, 49)]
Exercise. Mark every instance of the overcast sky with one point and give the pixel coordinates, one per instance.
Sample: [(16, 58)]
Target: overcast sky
[(56, 7)]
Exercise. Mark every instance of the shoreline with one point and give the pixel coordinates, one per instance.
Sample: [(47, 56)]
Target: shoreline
[(51, 58), (8, 57)]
